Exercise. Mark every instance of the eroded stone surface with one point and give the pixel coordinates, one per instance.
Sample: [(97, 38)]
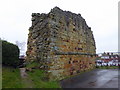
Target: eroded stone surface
[(62, 32)]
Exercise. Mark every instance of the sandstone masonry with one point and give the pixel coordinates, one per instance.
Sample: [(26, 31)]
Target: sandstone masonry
[(61, 42)]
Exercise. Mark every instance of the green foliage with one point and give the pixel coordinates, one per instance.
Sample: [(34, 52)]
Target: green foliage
[(10, 54), (32, 64)]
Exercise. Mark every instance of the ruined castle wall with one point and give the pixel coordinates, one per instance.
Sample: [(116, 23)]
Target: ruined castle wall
[(62, 43)]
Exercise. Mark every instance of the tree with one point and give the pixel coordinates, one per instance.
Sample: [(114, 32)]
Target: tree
[(21, 46)]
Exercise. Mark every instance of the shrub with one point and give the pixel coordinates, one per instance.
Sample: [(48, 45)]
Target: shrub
[(10, 54)]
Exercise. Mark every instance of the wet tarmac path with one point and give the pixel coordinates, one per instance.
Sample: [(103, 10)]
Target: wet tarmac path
[(98, 78)]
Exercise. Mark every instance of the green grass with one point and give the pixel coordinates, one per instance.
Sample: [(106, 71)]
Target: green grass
[(32, 64), (39, 79), (11, 78), (107, 67)]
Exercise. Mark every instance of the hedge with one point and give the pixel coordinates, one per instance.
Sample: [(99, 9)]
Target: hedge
[(10, 54)]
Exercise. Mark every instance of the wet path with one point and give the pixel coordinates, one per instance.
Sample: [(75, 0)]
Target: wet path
[(23, 73), (25, 78), (98, 78)]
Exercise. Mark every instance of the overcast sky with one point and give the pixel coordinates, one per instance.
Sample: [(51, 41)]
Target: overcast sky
[(100, 15)]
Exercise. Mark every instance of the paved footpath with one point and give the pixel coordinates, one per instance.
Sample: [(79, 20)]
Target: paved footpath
[(98, 78)]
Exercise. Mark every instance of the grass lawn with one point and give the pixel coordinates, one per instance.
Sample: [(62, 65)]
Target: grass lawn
[(11, 79)]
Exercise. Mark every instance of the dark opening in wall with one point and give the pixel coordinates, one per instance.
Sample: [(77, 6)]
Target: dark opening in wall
[(79, 48), (71, 73), (69, 62), (74, 29), (78, 71), (67, 41), (45, 39), (76, 48), (73, 61), (91, 55)]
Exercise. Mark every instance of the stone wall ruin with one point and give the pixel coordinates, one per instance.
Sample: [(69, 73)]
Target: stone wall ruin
[(61, 42)]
